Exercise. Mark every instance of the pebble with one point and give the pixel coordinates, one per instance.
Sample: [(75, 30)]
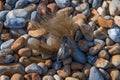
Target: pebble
[(7, 6), (34, 15), (21, 4), (25, 52), (19, 43), (3, 15), (82, 7), (6, 36), (78, 55), (109, 42), (117, 20), (1, 5), (102, 63), (32, 76), (71, 78), (76, 66), (47, 77), (83, 45), (102, 22), (95, 74), (4, 52), (11, 2), (10, 69), (31, 7), (36, 59), (114, 7), (104, 54), (33, 68), (101, 11), (67, 61), (56, 65), (15, 23), (65, 72), (94, 14), (116, 61), (74, 3), (18, 13), (114, 34), (4, 77), (91, 59), (114, 50), (96, 3), (78, 35), (86, 70), (51, 72), (115, 74), (79, 75), (86, 12), (63, 3), (105, 74), (56, 77), (43, 67), (48, 63), (53, 7), (7, 44), (17, 76)]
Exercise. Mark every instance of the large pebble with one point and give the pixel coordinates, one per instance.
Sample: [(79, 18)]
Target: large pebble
[(63, 3), (19, 43), (7, 44), (78, 55), (21, 3), (95, 74), (33, 68), (115, 74), (114, 6), (18, 13), (17, 76), (114, 34), (15, 23), (32, 76), (11, 69), (47, 77), (116, 61)]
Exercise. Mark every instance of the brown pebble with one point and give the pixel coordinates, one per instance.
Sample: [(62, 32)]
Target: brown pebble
[(94, 15), (79, 75), (71, 78), (102, 63), (1, 5), (83, 45), (67, 61), (76, 66), (42, 9), (114, 50), (115, 74), (103, 54), (36, 59), (48, 62), (6, 36), (116, 61), (65, 72), (32, 76), (117, 20), (109, 42), (17, 76), (102, 22), (19, 43), (1, 27), (25, 52), (86, 70)]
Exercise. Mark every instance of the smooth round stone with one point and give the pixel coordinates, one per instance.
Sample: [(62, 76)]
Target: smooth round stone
[(43, 66), (86, 12), (34, 15), (95, 74), (78, 35), (78, 55), (15, 23), (17, 76), (21, 3), (3, 15), (34, 1), (57, 77), (3, 77), (48, 77), (63, 3), (33, 68), (18, 13), (96, 3), (114, 34), (99, 41), (25, 52), (9, 59), (82, 7), (11, 2), (56, 65), (7, 44)]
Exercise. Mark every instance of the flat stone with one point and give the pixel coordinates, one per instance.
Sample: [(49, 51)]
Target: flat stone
[(114, 34), (19, 43), (15, 23), (95, 74), (33, 68), (7, 44)]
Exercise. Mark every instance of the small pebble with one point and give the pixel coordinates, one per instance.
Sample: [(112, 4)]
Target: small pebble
[(33, 1), (71, 78), (32, 76), (96, 3), (56, 77), (17, 77)]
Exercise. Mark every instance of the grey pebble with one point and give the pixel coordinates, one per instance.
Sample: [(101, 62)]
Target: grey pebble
[(95, 74), (114, 34), (34, 1), (86, 12), (9, 59), (3, 15), (21, 4), (96, 3), (7, 44), (56, 65), (33, 68), (63, 3), (34, 15), (15, 23), (43, 67), (11, 2)]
